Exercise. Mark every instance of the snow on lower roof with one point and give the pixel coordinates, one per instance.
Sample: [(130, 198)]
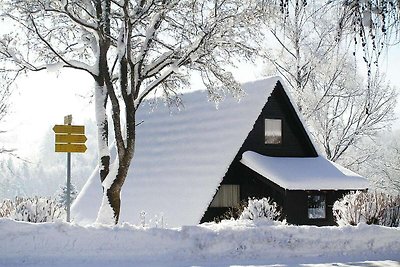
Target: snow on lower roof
[(181, 157), (316, 173)]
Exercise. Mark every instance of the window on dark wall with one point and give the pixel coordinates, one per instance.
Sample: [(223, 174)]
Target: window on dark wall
[(316, 206), (228, 195), (273, 131)]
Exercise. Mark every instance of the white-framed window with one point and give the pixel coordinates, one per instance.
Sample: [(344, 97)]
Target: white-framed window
[(273, 131), (228, 195), (316, 206)]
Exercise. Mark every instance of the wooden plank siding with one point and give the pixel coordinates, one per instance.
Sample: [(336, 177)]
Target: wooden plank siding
[(295, 141), (298, 213)]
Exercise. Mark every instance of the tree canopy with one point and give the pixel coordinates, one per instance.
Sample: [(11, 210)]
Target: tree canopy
[(134, 49)]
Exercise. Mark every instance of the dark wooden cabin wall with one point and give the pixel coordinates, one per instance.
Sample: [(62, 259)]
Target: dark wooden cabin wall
[(296, 209), (295, 141), (293, 203), (295, 144), (251, 185)]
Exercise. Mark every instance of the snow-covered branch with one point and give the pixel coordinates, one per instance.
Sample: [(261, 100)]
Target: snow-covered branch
[(70, 64), (173, 66)]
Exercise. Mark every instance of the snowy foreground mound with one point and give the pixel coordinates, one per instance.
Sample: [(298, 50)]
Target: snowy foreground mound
[(225, 244)]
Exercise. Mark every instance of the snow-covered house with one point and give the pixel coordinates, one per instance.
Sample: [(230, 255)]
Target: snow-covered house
[(192, 165)]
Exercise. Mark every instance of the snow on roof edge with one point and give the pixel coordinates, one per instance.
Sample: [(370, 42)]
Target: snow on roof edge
[(295, 173)]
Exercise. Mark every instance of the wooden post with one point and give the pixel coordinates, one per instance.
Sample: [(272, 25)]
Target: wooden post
[(68, 121)]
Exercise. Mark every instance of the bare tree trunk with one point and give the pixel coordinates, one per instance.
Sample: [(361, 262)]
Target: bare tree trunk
[(125, 146), (113, 184), (102, 130), (114, 192)]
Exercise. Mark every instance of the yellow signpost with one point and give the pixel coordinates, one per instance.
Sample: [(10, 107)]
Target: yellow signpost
[(73, 139), (69, 129), (70, 139), (71, 148)]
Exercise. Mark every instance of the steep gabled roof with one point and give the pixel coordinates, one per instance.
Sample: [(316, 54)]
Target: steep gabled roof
[(181, 157)]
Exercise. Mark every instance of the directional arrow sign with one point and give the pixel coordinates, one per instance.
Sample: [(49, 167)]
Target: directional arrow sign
[(69, 129), (74, 148), (68, 138)]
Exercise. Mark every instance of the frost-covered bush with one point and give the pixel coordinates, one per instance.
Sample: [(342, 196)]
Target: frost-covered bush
[(367, 207), (158, 221), (32, 209), (263, 208), (253, 209), (347, 210), (391, 215), (6, 208)]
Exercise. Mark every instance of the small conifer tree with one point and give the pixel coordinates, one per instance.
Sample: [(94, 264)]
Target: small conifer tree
[(62, 195)]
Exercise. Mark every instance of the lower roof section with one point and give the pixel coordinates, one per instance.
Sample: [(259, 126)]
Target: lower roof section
[(316, 173)]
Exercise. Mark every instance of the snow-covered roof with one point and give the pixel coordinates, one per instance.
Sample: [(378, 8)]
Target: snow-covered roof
[(181, 157), (314, 173)]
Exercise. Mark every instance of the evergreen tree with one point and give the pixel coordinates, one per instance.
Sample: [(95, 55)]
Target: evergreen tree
[(62, 194)]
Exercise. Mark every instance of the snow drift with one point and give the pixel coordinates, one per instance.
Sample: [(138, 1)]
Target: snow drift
[(244, 242)]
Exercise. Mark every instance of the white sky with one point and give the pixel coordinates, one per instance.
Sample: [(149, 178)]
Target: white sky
[(43, 99), (390, 65)]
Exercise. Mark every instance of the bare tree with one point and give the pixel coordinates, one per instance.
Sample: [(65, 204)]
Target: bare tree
[(390, 179), (348, 111), (7, 77), (132, 49), (323, 76), (306, 38), (384, 168), (373, 25), (4, 96)]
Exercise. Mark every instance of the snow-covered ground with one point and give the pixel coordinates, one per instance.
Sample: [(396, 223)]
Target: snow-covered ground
[(231, 243)]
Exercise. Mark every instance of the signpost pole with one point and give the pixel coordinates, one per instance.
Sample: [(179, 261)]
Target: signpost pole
[(68, 121), (68, 186)]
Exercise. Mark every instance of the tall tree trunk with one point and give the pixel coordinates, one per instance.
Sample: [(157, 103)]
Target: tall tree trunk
[(110, 209), (114, 192), (101, 92), (102, 129)]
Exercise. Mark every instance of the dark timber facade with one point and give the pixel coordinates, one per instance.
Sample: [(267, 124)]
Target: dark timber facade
[(294, 142)]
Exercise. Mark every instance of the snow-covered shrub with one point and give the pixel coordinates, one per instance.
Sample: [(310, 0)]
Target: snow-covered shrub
[(263, 208), (158, 221), (367, 207), (32, 209), (347, 210), (6, 208), (391, 214)]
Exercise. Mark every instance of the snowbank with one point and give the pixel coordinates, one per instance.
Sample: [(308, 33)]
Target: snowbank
[(231, 242)]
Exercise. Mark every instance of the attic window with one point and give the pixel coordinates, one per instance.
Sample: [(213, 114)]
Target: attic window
[(273, 131), (316, 206), (228, 195)]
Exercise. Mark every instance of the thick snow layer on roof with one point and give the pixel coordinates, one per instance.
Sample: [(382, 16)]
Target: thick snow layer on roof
[(315, 173), (180, 158)]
